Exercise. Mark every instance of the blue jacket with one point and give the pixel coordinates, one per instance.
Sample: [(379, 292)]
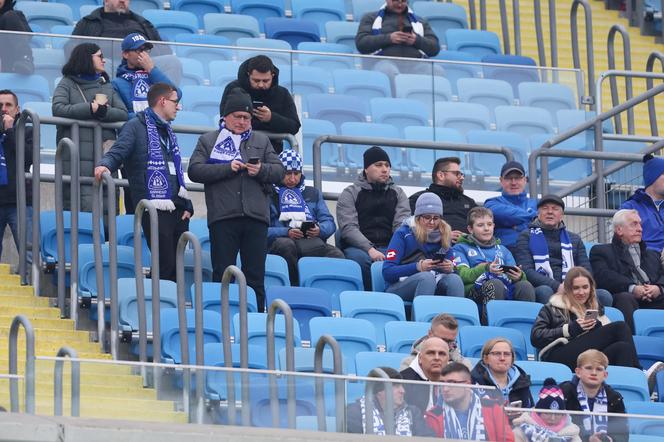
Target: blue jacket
[(319, 211), (123, 87), (652, 219), (511, 213)]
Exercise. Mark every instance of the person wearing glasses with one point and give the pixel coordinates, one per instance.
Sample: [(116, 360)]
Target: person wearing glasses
[(85, 93), (149, 151), (418, 260), (447, 182)]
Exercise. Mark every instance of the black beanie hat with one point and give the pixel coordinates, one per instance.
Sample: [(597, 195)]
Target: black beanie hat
[(375, 154), (237, 101), (551, 396)]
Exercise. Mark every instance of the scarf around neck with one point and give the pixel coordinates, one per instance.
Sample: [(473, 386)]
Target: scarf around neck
[(377, 25), (539, 249), (4, 180), (402, 421), (593, 423), (140, 85), (227, 146), (158, 186), (474, 429), (488, 276), (538, 431), (292, 206)]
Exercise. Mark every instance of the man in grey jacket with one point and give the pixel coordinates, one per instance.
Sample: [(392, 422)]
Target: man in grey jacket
[(237, 167)]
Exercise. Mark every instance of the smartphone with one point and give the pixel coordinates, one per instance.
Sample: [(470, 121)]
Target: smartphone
[(408, 28), (516, 404), (306, 225), (509, 268), (257, 104), (254, 160), (591, 314), (443, 256)]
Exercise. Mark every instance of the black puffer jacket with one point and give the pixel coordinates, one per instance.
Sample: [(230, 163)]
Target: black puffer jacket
[(456, 205), (520, 390)]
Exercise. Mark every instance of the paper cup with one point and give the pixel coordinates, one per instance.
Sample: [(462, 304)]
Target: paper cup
[(101, 99)]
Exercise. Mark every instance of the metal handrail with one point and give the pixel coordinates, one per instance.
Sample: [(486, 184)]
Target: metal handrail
[(281, 305), (185, 239), (18, 321), (388, 412), (539, 33), (75, 382), (504, 22), (339, 395), (652, 113), (627, 66), (590, 51)]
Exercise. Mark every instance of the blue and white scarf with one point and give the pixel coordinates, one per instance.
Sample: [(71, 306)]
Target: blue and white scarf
[(594, 423), (292, 206), (227, 146), (4, 180), (140, 85), (474, 429), (540, 251), (377, 26), (402, 424), (158, 185)]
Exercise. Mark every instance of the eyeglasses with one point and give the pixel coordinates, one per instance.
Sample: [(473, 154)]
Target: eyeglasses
[(172, 101), (497, 354), (100, 55), (430, 218), (458, 173), (451, 343), (239, 117)]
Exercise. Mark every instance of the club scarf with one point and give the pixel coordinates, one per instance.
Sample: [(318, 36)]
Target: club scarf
[(540, 433), (227, 146), (488, 276), (140, 85), (402, 422), (474, 427), (593, 423), (377, 26), (540, 251), (4, 180), (158, 186), (292, 206)]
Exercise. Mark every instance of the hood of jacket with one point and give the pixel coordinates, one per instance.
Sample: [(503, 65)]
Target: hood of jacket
[(124, 69), (467, 238), (415, 365), (243, 79), (104, 78), (517, 377), (362, 183)]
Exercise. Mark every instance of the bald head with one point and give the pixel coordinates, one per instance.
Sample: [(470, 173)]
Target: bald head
[(434, 355)]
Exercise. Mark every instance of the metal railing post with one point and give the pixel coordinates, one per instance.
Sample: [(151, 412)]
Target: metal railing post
[(627, 65), (281, 305), (504, 25), (21, 194), (75, 383), (339, 390), (652, 113), (18, 321), (388, 412), (590, 52)]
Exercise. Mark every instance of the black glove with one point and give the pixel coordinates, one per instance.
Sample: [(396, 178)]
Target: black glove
[(102, 110), (574, 329)]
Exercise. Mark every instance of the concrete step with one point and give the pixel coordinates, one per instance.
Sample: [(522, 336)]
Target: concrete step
[(31, 312), (15, 289), (50, 323), (23, 300), (56, 335)]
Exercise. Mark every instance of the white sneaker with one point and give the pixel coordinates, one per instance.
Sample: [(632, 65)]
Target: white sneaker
[(651, 373)]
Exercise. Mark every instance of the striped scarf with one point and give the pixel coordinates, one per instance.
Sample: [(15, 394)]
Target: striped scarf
[(377, 25), (474, 428), (402, 425), (227, 146), (540, 251), (593, 423)]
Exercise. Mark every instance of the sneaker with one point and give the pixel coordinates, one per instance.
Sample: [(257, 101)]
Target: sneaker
[(651, 374)]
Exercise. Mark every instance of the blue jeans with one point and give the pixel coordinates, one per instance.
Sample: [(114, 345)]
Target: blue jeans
[(364, 260), (424, 283), (544, 292), (9, 217)]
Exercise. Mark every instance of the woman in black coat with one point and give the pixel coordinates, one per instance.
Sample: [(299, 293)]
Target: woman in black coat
[(15, 51)]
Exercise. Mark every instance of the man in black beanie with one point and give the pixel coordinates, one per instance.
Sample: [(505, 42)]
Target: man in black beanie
[(369, 211), (237, 167)]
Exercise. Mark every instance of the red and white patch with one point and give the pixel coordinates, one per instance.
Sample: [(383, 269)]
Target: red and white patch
[(391, 255)]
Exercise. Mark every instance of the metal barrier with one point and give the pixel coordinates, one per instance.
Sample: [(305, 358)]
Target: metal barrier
[(75, 382), (590, 51), (190, 238), (280, 304), (18, 321), (627, 66), (388, 413), (652, 113), (553, 33), (504, 24), (339, 390)]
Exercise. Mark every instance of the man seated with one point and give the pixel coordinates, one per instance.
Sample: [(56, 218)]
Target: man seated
[(463, 415), (300, 223), (547, 250), (408, 420), (426, 367), (627, 268), (445, 327)]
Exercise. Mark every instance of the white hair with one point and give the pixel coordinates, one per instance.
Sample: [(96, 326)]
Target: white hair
[(620, 217)]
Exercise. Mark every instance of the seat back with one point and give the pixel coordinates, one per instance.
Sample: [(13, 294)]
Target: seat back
[(87, 277), (128, 301), (231, 26), (464, 310), (649, 322), (319, 11), (518, 315), (204, 99), (170, 333), (46, 15), (490, 164), (211, 295), (260, 9), (473, 337), (478, 43), (305, 303), (377, 308), (362, 83), (400, 335), (292, 30), (489, 93), (353, 335), (630, 382), (332, 274), (462, 116), (257, 332), (527, 121), (342, 32), (365, 361), (337, 108), (649, 349), (540, 370), (400, 112), (171, 23), (199, 8)]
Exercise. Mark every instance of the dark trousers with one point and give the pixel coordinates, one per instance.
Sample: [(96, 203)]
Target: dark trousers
[(171, 226), (614, 340), (247, 236), (285, 247), (627, 304)]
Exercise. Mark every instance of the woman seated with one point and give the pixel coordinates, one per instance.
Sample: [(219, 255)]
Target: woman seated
[(573, 322), (418, 260)]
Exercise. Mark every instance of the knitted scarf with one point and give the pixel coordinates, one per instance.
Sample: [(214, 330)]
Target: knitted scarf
[(227, 146), (158, 186), (377, 25), (593, 423), (539, 431), (540, 251), (488, 276), (403, 420), (3, 161), (292, 206), (139, 88), (474, 429)]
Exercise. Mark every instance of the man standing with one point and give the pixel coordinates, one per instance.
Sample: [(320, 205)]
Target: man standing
[(547, 250), (237, 167), (513, 210), (426, 367), (369, 211), (274, 108), (627, 268), (648, 202), (149, 152), (10, 110), (447, 183)]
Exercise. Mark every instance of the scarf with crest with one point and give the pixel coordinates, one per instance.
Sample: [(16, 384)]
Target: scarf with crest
[(539, 249), (474, 428), (593, 423), (402, 423), (227, 146), (292, 206), (140, 85)]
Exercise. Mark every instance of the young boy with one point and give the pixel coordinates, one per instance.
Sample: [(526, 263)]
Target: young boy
[(487, 268), (589, 392)]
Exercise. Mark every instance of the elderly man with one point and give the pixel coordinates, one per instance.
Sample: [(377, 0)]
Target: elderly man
[(627, 268), (445, 327), (426, 367), (648, 202), (547, 250), (513, 210)]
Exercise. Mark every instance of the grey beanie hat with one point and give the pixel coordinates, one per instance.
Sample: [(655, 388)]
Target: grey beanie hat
[(428, 203)]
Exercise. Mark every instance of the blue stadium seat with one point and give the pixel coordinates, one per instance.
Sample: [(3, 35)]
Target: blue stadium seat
[(611, 312), (489, 93), (649, 322), (46, 15), (519, 315), (260, 9), (361, 83), (630, 382), (198, 226), (643, 426), (306, 303), (202, 53), (462, 116), (170, 333), (75, 5), (365, 361), (276, 271), (473, 337), (478, 43), (425, 307), (361, 7), (261, 411), (124, 233), (377, 281), (649, 349), (49, 242), (27, 87), (540, 370), (319, 11), (313, 128), (199, 8), (304, 360), (353, 335), (354, 152), (332, 274), (527, 121), (550, 96), (325, 61), (171, 23), (305, 80), (400, 112), (204, 99), (425, 88), (400, 335), (48, 64), (441, 17), (311, 423), (342, 32), (138, 6), (85, 10), (422, 159), (468, 66), (266, 45), (47, 131), (206, 262), (193, 73), (256, 327), (337, 108), (294, 31), (231, 26), (223, 72), (211, 294), (520, 71), (490, 164), (376, 307), (187, 142), (216, 387)]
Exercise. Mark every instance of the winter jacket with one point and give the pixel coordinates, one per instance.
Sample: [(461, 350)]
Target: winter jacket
[(69, 103), (417, 425), (614, 269), (367, 42), (456, 205), (618, 428), (511, 214), (569, 433), (652, 218), (519, 385), (231, 194), (419, 394), (15, 50), (524, 256), (349, 220), (131, 151), (551, 327), (314, 199), (277, 98), (123, 87), (8, 192)]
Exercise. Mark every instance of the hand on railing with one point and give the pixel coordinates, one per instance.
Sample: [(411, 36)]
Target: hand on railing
[(100, 171)]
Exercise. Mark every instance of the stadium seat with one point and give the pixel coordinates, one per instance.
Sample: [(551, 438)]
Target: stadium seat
[(199, 8), (138, 6), (478, 43), (464, 310), (216, 387), (231, 26), (46, 15), (211, 294), (260, 9), (319, 11), (643, 426), (223, 72), (332, 274), (47, 131), (361, 7), (313, 128), (204, 54), (257, 331), (48, 64), (86, 10), (540, 370), (473, 337), (376, 307), (171, 23), (527, 121), (400, 335), (365, 361), (325, 61), (630, 382), (311, 423), (206, 262), (461, 116), (489, 93), (124, 233), (342, 32), (400, 112), (304, 360), (276, 271), (611, 312), (294, 31), (489, 164), (361, 83), (305, 80), (187, 142), (649, 349), (522, 69), (425, 88), (75, 6), (353, 335), (261, 411), (49, 242), (422, 159), (337, 108), (306, 303), (27, 87), (550, 96), (204, 99), (441, 17), (198, 226), (266, 45), (193, 73), (170, 333), (377, 281), (467, 67), (353, 152), (519, 315)]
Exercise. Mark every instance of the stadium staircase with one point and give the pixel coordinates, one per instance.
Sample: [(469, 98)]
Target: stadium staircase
[(107, 391)]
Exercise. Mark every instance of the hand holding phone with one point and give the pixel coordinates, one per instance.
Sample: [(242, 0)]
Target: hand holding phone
[(506, 268), (591, 314), (254, 160), (306, 225)]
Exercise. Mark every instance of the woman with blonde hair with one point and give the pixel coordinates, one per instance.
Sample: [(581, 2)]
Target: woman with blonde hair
[(573, 322), (418, 260)]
